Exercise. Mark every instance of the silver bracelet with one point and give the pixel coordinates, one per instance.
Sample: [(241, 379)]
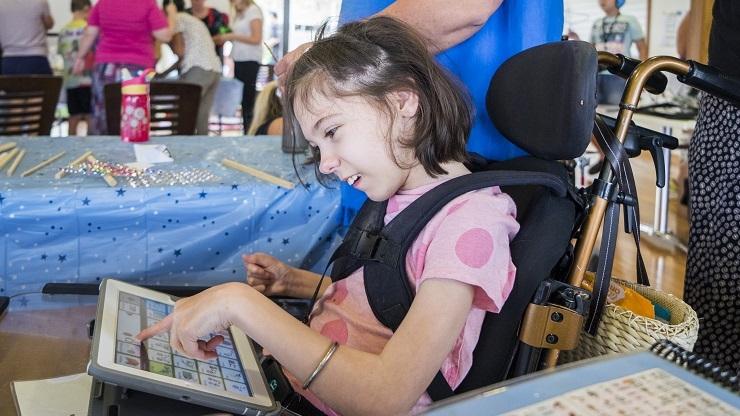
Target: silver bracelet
[(327, 356)]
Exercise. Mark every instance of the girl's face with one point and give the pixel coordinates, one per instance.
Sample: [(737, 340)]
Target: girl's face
[(351, 135)]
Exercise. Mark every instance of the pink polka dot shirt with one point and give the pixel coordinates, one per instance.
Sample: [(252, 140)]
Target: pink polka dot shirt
[(467, 241)]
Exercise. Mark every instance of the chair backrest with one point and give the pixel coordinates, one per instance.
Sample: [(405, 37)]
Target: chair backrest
[(27, 104), (173, 107), (544, 100)]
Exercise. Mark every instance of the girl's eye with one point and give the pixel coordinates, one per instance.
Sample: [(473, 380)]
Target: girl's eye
[(330, 133)]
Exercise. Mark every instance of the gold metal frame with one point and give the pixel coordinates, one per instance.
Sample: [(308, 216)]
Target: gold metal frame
[(635, 84)]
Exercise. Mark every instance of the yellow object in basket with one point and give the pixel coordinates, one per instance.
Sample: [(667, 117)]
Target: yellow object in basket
[(624, 297)]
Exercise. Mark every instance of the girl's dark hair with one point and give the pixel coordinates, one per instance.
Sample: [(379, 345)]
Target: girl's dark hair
[(373, 58)]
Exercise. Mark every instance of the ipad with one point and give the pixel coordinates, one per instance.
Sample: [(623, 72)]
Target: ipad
[(233, 382)]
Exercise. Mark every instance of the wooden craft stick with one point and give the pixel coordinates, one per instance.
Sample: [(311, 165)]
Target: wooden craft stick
[(257, 173), (5, 158), (61, 173), (7, 146), (16, 162), (43, 164), (110, 180)]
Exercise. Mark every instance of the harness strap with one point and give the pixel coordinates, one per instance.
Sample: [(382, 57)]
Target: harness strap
[(382, 249), (619, 162)]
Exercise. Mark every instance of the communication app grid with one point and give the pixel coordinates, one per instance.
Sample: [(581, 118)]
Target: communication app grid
[(156, 356)]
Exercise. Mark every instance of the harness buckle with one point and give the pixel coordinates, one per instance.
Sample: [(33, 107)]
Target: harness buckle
[(367, 245)]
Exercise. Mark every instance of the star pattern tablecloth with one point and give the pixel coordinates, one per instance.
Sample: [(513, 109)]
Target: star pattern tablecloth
[(78, 229)]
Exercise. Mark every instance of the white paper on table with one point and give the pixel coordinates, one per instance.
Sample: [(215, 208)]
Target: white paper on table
[(152, 153), (68, 395)]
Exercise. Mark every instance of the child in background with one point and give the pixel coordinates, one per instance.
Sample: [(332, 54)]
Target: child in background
[(380, 114), (78, 86), (268, 112)]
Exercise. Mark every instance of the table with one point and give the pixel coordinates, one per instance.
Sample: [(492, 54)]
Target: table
[(37, 344), (77, 229)]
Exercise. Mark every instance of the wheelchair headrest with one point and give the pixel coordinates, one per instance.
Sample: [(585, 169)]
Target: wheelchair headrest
[(543, 99)]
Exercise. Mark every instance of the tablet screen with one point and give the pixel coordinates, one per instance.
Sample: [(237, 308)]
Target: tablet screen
[(155, 355)]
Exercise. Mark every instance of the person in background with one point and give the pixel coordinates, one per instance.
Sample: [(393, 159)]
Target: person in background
[(615, 33), (246, 37), (216, 22), (268, 112), (23, 26), (275, 37), (712, 285), (78, 86), (199, 63), (125, 31), (470, 38)]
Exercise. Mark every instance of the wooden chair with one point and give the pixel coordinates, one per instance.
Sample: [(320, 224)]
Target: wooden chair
[(173, 108), (27, 104)]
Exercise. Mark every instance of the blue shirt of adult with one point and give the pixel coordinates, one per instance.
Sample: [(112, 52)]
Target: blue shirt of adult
[(516, 25)]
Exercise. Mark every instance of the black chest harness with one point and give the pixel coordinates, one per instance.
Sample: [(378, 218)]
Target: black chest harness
[(381, 250)]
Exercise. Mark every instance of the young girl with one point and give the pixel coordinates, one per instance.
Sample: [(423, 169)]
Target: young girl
[(381, 115)]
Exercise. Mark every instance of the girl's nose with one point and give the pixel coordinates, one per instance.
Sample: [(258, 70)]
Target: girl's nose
[(329, 163)]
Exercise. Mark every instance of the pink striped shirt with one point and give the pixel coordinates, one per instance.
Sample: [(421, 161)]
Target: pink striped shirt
[(126, 30)]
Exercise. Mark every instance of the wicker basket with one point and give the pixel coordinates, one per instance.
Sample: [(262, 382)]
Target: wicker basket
[(621, 330)]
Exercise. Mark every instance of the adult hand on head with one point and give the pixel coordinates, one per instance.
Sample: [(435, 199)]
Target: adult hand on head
[(267, 274), (198, 316), (282, 67)]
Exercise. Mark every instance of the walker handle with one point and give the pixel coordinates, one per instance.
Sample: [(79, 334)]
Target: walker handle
[(710, 80), (655, 84)]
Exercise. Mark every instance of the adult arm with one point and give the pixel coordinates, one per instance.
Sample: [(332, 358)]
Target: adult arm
[(86, 42), (177, 44), (443, 23), (46, 17), (165, 34), (255, 27), (391, 382)]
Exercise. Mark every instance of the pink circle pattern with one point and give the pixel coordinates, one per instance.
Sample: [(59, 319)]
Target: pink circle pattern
[(474, 247), (336, 330)]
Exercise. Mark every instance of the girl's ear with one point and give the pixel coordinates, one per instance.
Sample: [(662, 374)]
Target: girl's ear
[(406, 102)]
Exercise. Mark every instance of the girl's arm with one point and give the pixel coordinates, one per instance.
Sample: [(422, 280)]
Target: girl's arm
[(255, 26), (305, 282), (272, 277), (353, 382)]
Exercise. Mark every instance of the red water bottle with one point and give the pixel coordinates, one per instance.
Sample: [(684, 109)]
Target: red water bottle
[(135, 109)]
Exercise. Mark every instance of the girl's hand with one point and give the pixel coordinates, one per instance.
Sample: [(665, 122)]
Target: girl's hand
[(197, 317), (267, 274)]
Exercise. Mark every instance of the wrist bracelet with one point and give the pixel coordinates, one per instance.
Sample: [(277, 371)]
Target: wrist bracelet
[(327, 356)]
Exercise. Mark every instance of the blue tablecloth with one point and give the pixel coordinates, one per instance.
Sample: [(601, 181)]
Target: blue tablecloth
[(77, 229)]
